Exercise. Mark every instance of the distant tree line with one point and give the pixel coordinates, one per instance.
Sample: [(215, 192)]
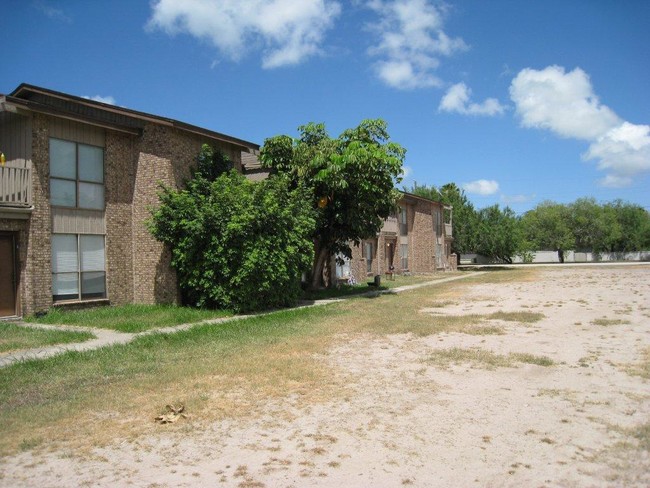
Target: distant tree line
[(584, 225)]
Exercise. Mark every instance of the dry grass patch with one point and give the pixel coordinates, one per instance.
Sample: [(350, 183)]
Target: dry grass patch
[(642, 368), (480, 358), (606, 322)]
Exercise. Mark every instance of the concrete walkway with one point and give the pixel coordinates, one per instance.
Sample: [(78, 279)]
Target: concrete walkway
[(107, 337)]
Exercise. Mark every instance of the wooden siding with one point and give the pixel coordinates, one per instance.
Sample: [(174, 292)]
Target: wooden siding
[(75, 221), (15, 175), (74, 131), (16, 140)]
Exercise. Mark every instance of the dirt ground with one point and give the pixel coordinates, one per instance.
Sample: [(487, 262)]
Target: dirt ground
[(407, 421)]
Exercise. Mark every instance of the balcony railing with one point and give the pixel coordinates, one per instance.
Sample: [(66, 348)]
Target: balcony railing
[(390, 225), (15, 187), (448, 230)]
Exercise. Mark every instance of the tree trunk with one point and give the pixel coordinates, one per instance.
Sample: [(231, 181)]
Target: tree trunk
[(317, 270)]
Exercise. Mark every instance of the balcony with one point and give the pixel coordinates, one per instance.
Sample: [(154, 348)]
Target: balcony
[(390, 226), (448, 230), (15, 191)]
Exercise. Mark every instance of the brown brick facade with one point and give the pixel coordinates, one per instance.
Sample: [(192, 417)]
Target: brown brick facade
[(420, 238), (135, 164)]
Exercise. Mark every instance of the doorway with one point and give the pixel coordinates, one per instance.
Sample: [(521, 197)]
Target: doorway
[(7, 276)]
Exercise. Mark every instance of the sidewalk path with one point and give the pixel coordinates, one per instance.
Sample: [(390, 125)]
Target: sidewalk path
[(107, 337)]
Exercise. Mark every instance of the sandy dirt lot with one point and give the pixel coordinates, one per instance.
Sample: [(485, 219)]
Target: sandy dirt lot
[(405, 420)]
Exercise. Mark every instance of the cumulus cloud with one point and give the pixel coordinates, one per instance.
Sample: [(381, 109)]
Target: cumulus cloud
[(98, 98), (482, 187), (286, 31), (565, 104), (457, 100), (411, 41), (624, 151)]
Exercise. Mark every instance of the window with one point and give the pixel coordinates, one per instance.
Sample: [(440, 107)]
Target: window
[(76, 175), (404, 255), (437, 222), (369, 251), (78, 267), (403, 225), (342, 266)]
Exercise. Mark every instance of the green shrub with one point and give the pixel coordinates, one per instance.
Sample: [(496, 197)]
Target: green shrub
[(236, 244)]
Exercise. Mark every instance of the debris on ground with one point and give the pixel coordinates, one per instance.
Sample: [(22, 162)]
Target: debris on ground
[(174, 413)]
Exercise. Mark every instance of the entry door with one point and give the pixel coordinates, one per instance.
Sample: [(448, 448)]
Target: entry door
[(7, 277)]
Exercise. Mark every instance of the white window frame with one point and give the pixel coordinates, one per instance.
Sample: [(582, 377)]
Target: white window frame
[(80, 272)]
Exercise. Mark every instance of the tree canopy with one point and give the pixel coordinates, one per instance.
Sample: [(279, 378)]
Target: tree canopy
[(350, 182)]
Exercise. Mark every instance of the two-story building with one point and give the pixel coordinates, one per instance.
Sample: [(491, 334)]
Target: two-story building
[(77, 181), (417, 239)]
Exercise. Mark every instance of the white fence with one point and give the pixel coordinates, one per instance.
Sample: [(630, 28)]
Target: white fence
[(569, 257)]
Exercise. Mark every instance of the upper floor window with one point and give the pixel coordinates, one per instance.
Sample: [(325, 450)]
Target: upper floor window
[(403, 225), (76, 175)]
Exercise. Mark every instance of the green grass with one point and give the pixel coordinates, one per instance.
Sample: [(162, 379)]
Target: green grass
[(267, 355), (218, 371), (129, 318), (362, 287), (15, 338), (484, 359)]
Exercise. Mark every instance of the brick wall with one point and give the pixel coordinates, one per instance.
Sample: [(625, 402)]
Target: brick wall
[(163, 155), (38, 292), (137, 266), (422, 239), (120, 162)]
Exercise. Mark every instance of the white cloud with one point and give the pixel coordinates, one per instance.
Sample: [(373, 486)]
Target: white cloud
[(565, 104), (98, 98), (482, 187), (623, 150), (561, 102), (457, 100), (411, 41), (286, 31)]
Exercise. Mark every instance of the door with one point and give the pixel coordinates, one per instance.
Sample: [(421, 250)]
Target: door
[(7, 276)]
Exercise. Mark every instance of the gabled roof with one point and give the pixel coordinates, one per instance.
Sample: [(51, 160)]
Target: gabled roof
[(44, 100)]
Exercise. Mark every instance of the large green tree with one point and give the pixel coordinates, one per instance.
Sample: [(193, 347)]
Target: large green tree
[(594, 226), (499, 235), (350, 181), (235, 244), (634, 222), (548, 227)]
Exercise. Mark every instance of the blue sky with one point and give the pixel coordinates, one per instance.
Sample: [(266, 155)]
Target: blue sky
[(516, 101)]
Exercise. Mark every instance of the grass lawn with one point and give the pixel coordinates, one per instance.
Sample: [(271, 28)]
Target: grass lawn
[(15, 338), (218, 371), (129, 318), (360, 288)]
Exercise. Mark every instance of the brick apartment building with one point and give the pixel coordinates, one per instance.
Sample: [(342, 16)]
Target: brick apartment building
[(76, 186), (417, 240)]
